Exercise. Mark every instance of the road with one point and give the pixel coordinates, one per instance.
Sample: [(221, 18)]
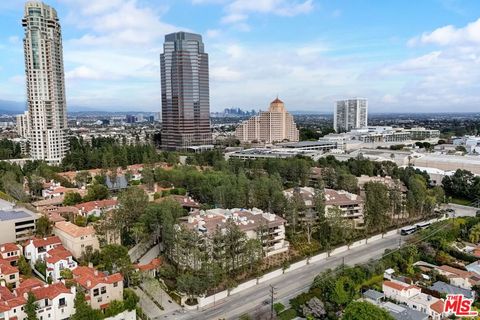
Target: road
[(295, 282), (287, 286)]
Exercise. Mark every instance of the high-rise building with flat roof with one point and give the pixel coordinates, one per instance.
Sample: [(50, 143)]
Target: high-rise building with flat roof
[(350, 114), (47, 110), (185, 92)]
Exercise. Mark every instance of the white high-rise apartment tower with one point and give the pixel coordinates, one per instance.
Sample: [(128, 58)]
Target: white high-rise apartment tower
[(350, 114), (47, 109)]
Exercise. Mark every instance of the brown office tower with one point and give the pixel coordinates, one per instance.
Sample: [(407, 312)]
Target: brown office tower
[(185, 92)]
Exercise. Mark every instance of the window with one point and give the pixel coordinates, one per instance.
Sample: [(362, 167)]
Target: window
[(115, 284), (12, 276), (104, 290), (95, 292), (62, 302)]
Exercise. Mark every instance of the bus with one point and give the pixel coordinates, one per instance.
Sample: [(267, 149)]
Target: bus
[(423, 225), (408, 230)]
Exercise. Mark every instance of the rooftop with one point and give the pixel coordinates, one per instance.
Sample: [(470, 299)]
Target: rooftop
[(447, 288), (74, 230), (14, 214)]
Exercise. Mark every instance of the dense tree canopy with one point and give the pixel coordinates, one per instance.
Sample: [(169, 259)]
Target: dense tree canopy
[(361, 310)]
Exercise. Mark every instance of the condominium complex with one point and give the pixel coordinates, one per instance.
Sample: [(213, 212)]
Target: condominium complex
[(185, 92), (274, 125), (255, 223), (47, 111), (350, 114), (23, 125)]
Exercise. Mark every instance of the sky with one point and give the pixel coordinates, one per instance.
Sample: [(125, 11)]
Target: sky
[(404, 56)]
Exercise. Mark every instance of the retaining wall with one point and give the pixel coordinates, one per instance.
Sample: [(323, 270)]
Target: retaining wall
[(270, 275), (244, 286), (296, 265), (339, 250)]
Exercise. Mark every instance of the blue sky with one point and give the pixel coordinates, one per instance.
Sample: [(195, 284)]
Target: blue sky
[(421, 56)]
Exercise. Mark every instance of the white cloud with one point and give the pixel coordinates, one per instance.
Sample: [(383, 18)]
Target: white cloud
[(234, 18), (450, 35), (237, 11)]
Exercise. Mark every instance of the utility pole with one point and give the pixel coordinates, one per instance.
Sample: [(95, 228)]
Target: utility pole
[(272, 296)]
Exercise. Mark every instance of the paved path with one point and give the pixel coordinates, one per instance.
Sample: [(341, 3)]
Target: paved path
[(150, 255), (147, 305), (288, 285)]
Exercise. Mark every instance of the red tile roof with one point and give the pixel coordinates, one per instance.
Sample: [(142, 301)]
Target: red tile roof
[(455, 271), (399, 286), (7, 268), (46, 241), (50, 292), (152, 265), (74, 230), (57, 254), (438, 307), (101, 204), (89, 277), (27, 285), (8, 247)]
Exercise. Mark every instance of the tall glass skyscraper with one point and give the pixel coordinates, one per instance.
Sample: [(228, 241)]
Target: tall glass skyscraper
[(185, 92), (47, 110)]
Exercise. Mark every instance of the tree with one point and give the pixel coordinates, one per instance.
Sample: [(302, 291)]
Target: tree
[(115, 258), (31, 307), (43, 227), (115, 307), (82, 310), (24, 267), (343, 291), (130, 299), (365, 311), (72, 198), (82, 178), (131, 205), (474, 234), (191, 285), (347, 182), (377, 206), (96, 191)]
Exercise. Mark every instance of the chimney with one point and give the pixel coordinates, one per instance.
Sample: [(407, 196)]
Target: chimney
[(2, 248), (89, 283), (95, 272)]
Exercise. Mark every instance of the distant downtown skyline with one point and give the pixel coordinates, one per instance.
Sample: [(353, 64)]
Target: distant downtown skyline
[(311, 52)]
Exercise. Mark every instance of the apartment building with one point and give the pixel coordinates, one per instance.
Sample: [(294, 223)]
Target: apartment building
[(413, 297), (460, 278), (351, 205), (16, 223), (58, 259), (47, 110), (55, 301), (100, 289), (9, 275), (274, 125), (96, 208), (253, 222), (76, 239), (10, 252), (350, 114), (23, 124), (37, 248), (419, 133)]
